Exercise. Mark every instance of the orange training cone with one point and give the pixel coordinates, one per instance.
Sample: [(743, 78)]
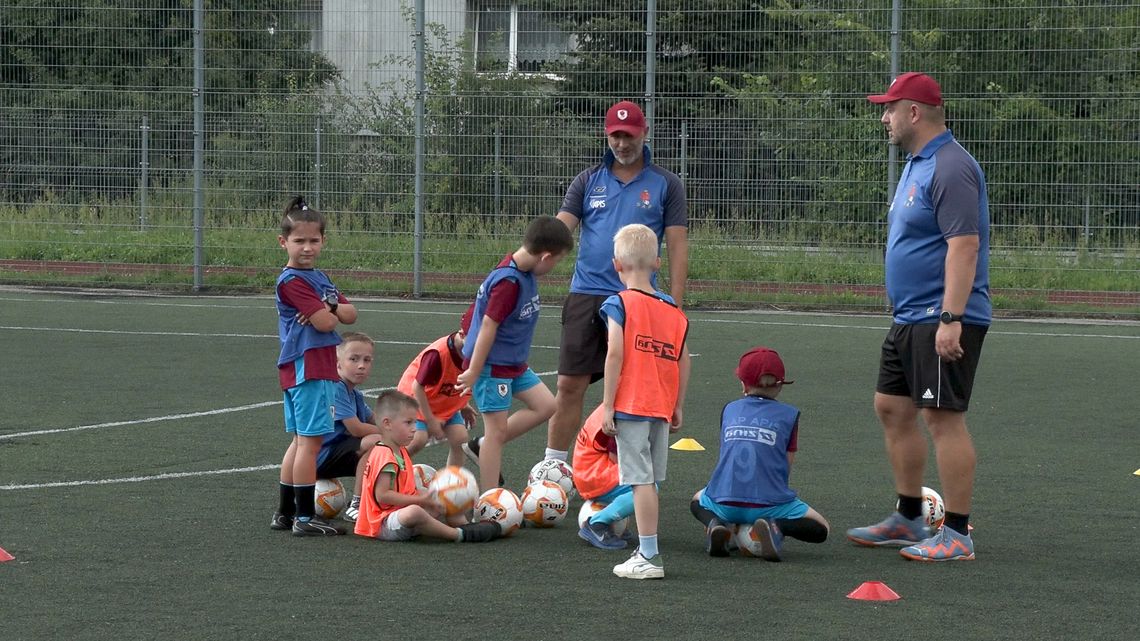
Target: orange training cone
[(4, 556), (873, 591)]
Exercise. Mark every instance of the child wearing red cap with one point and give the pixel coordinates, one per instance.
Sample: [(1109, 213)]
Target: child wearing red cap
[(750, 483)]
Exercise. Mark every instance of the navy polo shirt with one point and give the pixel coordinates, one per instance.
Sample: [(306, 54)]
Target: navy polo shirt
[(603, 205), (942, 194)]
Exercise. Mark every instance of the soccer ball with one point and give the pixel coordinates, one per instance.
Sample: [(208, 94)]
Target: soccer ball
[(455, 489), (556, 470), (329, 498), (500, 504), (424, 474), (746, 541), (933, 509), (544, 504), (591, 507)]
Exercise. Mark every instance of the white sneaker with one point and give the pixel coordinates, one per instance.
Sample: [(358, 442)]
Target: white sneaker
[(639, 567)]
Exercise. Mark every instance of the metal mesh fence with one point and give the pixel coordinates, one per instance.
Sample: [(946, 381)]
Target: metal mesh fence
[(761, 110)]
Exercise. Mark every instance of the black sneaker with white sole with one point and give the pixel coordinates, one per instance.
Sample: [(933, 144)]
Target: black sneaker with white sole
[(281, 522), (316, 526)]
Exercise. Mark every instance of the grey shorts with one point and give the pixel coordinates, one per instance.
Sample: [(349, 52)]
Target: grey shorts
[(642, 451), (392, 530)]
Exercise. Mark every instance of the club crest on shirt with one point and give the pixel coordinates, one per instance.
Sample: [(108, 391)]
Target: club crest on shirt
[(643, 200)]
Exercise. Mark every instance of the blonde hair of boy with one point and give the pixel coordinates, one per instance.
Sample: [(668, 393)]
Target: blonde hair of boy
[(390, 402), (353, 337), (635, 247)]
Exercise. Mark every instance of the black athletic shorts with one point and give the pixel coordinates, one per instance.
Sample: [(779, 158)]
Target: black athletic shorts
[(584, 337), (909, 366), (341, 460)]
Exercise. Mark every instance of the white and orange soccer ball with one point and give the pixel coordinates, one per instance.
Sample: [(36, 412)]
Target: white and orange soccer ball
[(455, 489), (544, 504), (746, 541), (933, 509), (424, 473), (500, 504), (556, 470), (329, 498), (591, 507)]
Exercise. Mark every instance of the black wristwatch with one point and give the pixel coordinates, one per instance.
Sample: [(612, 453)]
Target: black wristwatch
[(949, 317), (332, 300)]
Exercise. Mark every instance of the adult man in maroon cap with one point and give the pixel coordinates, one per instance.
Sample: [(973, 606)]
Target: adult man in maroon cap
[(937, 276), (625, 188)]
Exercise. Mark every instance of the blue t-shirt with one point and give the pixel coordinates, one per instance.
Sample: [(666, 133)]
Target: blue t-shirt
[(612, 309), (603, 205), (942, 194), (753, 464), (348, 404)]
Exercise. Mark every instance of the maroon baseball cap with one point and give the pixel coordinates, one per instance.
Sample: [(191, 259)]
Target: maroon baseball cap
[(627, 117), (911, 85), (757, 362)]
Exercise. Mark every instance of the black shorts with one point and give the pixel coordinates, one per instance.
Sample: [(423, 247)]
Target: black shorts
[(342, 459), (909, 366), (584, 337)]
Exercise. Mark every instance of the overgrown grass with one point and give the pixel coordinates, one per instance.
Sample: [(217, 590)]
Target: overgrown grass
[(376, 255)]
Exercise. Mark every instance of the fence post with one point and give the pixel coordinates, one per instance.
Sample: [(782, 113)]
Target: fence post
[(498, 170), (317, 168), (650, 62), (144, 166), (418, 236), (199, 136), (684, 151)]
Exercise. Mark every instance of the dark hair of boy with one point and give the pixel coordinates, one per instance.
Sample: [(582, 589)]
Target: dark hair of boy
[(390, 402), (299, 211), (547, 234)]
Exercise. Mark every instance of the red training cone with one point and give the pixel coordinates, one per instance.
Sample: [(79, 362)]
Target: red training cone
[(873, 591), (4, 556)]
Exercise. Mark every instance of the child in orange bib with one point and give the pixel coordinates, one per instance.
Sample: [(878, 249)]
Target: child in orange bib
[(646, 374)]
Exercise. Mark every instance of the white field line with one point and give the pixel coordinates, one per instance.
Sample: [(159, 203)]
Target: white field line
[(137, 479)]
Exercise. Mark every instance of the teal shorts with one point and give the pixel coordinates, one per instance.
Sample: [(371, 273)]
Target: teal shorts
[(310, 408), (494, 394), (456, 419), (793, 509)]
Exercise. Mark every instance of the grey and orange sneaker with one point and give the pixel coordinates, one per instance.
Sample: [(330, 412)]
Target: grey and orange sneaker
[(894, 530), (770, 538), (946, 545), (717, 537)]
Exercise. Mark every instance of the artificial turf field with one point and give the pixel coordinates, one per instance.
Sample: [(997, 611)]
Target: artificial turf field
[(140, 436)]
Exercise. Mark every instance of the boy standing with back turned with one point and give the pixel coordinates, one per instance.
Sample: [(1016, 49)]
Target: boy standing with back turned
[(646, 373)]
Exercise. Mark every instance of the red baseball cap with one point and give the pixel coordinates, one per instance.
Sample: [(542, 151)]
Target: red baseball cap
[(911, 85), (625, 116), (757, 362)]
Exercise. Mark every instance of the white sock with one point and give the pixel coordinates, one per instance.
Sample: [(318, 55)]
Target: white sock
[(558, 454)]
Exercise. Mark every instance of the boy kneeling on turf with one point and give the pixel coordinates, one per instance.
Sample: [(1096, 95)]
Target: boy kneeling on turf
[(391, 509), (750, 482)]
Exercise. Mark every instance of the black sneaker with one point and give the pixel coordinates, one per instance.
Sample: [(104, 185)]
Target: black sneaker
[(481, 532), (281, 522), (316, 526), (471, 449), (717, 536)]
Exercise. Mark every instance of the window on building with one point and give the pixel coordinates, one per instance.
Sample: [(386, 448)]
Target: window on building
[(510, 38)]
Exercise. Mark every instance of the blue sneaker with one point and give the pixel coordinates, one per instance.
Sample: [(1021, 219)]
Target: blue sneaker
[(600, 536), (946, 545), (717, 536), (770, 538), (894, 530)]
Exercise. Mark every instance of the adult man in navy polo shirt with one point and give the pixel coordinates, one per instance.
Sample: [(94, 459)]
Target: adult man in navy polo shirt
[(937, 271), (625, 188)]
